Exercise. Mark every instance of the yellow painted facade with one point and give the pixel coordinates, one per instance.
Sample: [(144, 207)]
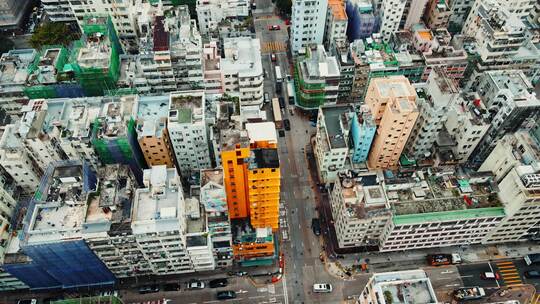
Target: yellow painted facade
[(235, 177)]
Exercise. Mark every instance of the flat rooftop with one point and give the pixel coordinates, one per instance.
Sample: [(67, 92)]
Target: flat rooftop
[(363, 196), (114, 202), (152, 112), (14, 65), (404, 287), (60, 204), (261, 131), (114, 115), (242, 56), (441, 191), (338, 9), (336, 118), (96, 53), (514, 81), (394, 87), (187, 106)]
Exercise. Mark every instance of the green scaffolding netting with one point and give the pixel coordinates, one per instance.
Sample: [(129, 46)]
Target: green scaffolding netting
[(96, 81)]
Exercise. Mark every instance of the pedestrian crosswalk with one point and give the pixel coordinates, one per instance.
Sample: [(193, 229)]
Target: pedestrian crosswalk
[(273, 47), (509, 273), (535, 299)]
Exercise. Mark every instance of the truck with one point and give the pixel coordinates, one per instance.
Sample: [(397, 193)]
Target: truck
[(279, 77), (531, 259), (290, 92), (443, 259), (276, 110), (469, 293)]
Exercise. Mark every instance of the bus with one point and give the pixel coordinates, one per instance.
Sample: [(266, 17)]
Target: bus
[(290, 92), (277, 113), (279, 77)]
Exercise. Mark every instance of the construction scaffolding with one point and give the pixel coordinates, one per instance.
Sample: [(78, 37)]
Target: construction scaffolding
[(95, 59), (308, 95), (123, 149)]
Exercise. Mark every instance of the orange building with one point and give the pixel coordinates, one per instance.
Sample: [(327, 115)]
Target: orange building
[(392, 101), (234, 161), (252, 181), (151, 129)]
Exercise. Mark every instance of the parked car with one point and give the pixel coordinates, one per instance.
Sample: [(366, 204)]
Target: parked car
[(532, 274), (490, 276), (287, 124), (195, 284), (274, 27), (226, 295), (28, 301), (273, 57), (237, 273), (316, 226), (266, 97), (281, 133), (218, 283), (148, 289)]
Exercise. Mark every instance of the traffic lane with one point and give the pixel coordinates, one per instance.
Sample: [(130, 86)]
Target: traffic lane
[(470, 275), (246, 293), (522, 267)]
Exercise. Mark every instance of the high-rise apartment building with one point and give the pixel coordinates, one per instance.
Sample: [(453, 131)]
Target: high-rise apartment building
[(213, 78), (52, 252), (308, 23), (211, 13), (252, 182), (59, 10), (437, 14), (509, 102), (12, 13), (317, 78), (359, 209), (17, 162), (361, 136), (517, 191), (214, 199), (336, 23), (332, 140), (413, 13), (501, 42), (13, 76), (391, 287), (186, 126), (433, 103), (242, 70), (151, 126), (393, 104), (390, 13)]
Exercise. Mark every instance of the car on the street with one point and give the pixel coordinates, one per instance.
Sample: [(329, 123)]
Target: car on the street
[(27, 301), (148, 289), (273, 57), (237, 273), (109, 293), (195, 284), (274, 27), (281, 133), (171, 287), (316, 226), (266, 97), (322, 287), (226, 295), (532, 274), (287, 124), (218, 283), (490, 276)]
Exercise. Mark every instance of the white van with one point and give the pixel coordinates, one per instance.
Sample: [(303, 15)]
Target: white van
[(322, 287)]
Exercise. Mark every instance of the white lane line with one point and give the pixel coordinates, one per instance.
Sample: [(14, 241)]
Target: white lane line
[(496, 281), (210, 301), (256, 297), (285, 295)]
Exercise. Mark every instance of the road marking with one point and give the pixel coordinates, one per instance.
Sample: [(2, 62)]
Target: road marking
[(508, 270), (511, 277), (514, 285), (285, 295), (505, 263), (468, 276), (496, 281), (256, 297), (505, 267), (210, 301)]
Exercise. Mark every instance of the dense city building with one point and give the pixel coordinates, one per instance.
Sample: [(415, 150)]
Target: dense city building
[(308, 17)]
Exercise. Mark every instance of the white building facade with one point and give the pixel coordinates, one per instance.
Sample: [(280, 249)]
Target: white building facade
[(308, 23)]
